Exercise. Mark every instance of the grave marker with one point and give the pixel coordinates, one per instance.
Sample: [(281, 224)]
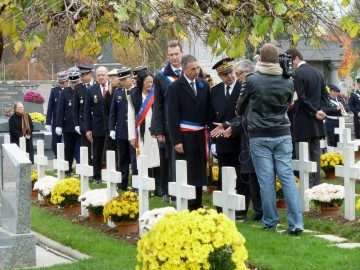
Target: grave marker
[(60, 164), (40, 159), (180, 189), (84, 171), (7, 139)]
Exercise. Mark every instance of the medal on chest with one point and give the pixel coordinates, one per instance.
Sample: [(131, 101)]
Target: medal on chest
[(95, 99)]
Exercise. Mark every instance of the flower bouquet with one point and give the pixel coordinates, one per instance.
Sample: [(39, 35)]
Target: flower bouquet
[(37, 117), (326, 195), (279, 192), (201, 239), (151, 217), (66, 192), (34, 97), (122, 208), (44, 186), (328, 161), (94, 201)]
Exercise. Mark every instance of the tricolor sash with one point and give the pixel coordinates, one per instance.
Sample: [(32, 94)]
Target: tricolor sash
[(187, 126), (169, 79), (140, 117)]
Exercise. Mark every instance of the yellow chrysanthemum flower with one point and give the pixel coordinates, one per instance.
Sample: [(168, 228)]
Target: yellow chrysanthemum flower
[(122, 208), (66, 191)]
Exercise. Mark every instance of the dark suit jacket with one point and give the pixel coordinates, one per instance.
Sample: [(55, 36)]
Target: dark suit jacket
[(52, 106), (183, 105), (312, 97), (107, 106), (223, 111), (93, 113), (118, 114), (65, 118), (79, 105)]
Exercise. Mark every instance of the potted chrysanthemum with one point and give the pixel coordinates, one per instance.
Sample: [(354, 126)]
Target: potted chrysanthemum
[(280, 202), (66, 193), (124, 211), (94, 200), (151, 217), (328, 161), (358, 205), (201, 239), (44, 186), (328, 197)]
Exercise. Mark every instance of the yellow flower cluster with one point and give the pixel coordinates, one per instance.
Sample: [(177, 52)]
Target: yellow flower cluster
[(122, 208), (358, 205), (66, 191), (34, 175), (185, 240), (328, 161), (215, 172), (37, 117), (279, 193)]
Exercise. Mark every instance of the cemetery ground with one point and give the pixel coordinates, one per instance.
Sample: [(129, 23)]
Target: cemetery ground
[(267, 250)]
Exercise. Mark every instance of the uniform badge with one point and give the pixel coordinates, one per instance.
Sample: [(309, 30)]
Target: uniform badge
[(81, 101), (69, 103), (120, 97), (55, 99), (95, 99)]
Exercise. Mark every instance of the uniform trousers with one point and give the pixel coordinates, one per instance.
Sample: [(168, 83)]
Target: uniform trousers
[(123, 151), (98, 146), (55, 139), (85, 142), (70, 139)]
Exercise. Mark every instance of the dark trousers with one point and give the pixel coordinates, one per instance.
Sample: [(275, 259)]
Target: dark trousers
[(134, 170), (252, 192), (197, 202), (165, 154), (155, 173), (356, 127), (85, 142), (70, 139), (314, 155), (77, 148), (55, 139), (110, 145), (332, 138), (123, 150), (98, 146)]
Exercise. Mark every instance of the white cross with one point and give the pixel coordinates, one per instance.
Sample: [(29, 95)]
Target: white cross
[(227, 198), (40, 159), (340, 130), (85, 171), (304, 166), (346, 141), (350, 172), (60, 164), (112, 177), (6, 139), (22, 145), (144, 184), (180, 189)]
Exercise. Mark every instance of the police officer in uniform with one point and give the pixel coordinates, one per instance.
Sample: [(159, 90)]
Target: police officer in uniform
[(63, 81), (86, 75), (65, 120)]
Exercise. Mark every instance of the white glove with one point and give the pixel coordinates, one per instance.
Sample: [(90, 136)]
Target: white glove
[(213, 149), (77, 128), (58, 131), (48, 127), (113, 134)]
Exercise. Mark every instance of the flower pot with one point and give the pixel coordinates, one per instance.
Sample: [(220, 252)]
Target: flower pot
[(280, 203), (47, 201), (72, 209), (127, 226), (95, 218), (330, 175), (330, 211), (34, 194), (357, 154), (211, 189)]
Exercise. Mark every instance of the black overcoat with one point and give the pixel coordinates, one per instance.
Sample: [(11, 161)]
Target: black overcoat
[(79, 105), (94, 111)]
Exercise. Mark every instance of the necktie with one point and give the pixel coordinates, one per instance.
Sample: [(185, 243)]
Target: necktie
[(178, 72), (227, 95), (192, 84), (103, 89)]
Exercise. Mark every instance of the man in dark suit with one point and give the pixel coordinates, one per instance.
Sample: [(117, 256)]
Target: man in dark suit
[(309, 109), (171, 72), (63, 80), (354, 104), (188, 112), (94, 118)]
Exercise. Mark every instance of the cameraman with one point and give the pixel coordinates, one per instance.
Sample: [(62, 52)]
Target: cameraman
[(267, 95)]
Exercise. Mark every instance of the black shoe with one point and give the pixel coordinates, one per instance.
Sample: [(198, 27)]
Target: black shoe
[(255, 217), (239, 217), (91, 179), (166, 198), (295, 232), (98, 181)]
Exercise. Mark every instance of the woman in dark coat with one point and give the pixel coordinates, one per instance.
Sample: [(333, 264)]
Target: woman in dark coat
[(20, 125)]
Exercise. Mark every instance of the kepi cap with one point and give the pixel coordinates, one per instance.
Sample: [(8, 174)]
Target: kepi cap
[(113, 72), (224, 66), (62, 76), (138, 69), (124, 73), (334, 88), (74, 74), (357, 78), (85, 69)]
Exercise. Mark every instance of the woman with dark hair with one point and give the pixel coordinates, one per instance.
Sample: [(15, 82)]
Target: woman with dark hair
[(139, 124), (21, 125)]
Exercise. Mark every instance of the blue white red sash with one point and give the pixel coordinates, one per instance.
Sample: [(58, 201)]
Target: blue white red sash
[(169, 79), (141, 115), (187, 126)]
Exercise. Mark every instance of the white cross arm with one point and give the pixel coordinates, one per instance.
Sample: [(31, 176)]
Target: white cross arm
[(41, 160), (233, 201), (183, 191)]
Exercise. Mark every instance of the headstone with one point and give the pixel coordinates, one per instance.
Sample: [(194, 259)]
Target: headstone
[(40, 159), (304, 166), (180, 189), (17, 243), (227, 198), (8, 95), (22, 144), (144, 184), (60, 164), (351, 173), (85, 171), (6, 139)]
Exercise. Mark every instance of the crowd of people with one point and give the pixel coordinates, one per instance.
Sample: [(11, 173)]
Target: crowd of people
[(251, 121)]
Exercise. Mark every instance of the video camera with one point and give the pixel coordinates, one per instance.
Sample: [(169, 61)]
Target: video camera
[(286, 63)]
